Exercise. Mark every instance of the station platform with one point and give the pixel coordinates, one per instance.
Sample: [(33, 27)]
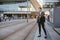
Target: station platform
[(23, 30), (57, 30), (51, 33)]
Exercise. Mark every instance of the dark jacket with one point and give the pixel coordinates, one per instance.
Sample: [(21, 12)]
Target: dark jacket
[(38, 20), (42, 19)]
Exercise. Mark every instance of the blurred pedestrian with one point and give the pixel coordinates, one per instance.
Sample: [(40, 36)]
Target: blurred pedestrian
[(41, 21)]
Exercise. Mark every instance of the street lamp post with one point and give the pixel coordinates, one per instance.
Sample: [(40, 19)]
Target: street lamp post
[(21, 12), (27, 10)]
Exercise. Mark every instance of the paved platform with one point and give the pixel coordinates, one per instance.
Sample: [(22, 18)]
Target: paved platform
[(57, 30), (27, 31), (20, 34), (7, 31), (13, 22), (42, 35), (51, 34)]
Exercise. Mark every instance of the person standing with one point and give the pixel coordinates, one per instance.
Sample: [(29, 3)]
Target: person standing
[(41, 24)]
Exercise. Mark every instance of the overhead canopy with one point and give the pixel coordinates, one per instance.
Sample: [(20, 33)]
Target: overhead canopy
[(14, 7), (13, 0)]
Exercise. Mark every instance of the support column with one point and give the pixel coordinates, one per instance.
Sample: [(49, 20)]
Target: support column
[(56, 17)]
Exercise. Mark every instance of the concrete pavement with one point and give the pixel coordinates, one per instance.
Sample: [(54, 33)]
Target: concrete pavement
[(5, 32), (51, 34), (20, 34), (57, 30), (27, 31)]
